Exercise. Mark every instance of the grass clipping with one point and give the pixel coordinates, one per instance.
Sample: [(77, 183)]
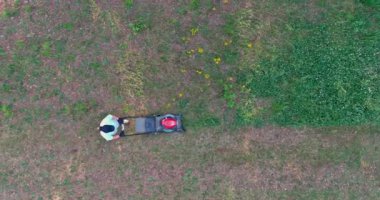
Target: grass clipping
[(130, 69)]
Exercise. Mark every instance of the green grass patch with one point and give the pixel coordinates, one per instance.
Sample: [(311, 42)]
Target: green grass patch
[(197, 114), (10, 12), (78, 109), (137, 26), (245, 115), (6, 110), (230, 26), (229, 95), (20, 44), (203, 121), (6, 87), (28, 8), (128, 4), (195, 4), (46, 49), (69, 26), (231, 56), (142, 22), (2, 52), (329, 74), (371, 3)]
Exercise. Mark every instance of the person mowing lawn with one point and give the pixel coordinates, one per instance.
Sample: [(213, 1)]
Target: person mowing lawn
[(109, 127)]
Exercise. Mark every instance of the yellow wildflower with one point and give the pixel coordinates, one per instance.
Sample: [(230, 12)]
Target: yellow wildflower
[(226, 1), (249, 45), (207, 76), (200, 50), (217, 60), (227, 42), (190, 52), (194, 31), (199, 71), (180, 95)]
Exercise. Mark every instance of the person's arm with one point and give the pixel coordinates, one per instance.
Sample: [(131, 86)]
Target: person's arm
[(118, 119), (122, 134)]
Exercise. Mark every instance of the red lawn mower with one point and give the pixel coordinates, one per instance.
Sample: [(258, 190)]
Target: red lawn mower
[(154, 124)]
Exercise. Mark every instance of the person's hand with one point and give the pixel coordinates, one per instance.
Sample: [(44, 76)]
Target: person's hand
[(114, 117), (116, 137)]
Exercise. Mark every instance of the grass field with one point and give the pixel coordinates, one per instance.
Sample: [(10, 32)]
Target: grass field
[(281, 98)]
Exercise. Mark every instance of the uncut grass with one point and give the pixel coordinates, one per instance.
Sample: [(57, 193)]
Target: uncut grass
[(327, 73), (175, 85)]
